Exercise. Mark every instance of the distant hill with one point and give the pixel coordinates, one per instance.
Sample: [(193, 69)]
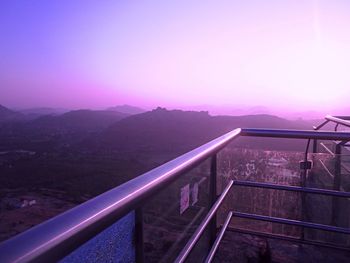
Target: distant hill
[(37, 112), (78, 120), (7, 115), (158, 132), (232, 110), (178, 131), (128, 109), (92, 151)]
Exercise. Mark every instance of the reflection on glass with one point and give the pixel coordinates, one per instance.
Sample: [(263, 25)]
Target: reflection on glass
[(282, 167), (276, 167), (172, 216)]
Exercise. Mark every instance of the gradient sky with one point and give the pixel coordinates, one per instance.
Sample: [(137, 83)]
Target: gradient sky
[(284, 54)]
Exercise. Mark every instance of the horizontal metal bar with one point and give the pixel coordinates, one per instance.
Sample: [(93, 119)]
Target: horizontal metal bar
[(55, 238), (287, 238), (343, 143), (338, 120), (321, 125), (327, 149), (296, 134), (330, 174), (347, 118), (345, 167), (326, 169), (216, 244), (293, 222), (293, 188), (199, 231)]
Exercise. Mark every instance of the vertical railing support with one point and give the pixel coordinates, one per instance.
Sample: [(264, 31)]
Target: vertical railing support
[(314, 147), (303, 202), (305, 167), (336, 184), (213, 197), (139, 245)]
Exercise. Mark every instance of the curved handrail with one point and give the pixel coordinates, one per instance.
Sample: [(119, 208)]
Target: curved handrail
[(296, 134), (60, 235), (338, 120), (347, 118)]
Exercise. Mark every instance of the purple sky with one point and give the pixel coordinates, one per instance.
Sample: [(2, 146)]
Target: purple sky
[(281, 54)]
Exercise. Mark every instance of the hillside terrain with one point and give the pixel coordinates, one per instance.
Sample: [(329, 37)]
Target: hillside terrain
[(84, 153), (32, 149), (7, 115), (165, 131)]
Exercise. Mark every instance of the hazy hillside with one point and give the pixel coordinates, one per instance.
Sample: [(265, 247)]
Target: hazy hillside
[(128, 109), (84, 145), (160, 130), (177, 131), (34, 113), (83, 153), (7, 115), (88, 120), (47, 133)]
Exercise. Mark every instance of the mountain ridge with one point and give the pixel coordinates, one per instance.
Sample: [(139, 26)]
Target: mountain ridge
[(163, 130), (7, 115)]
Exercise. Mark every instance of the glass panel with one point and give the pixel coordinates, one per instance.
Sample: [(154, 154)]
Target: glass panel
[(327, 173), (114, 244), (258, 161), (278, 161), (172, 216)]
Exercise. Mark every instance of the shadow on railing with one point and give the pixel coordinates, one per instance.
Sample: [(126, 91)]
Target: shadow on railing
[(110, 215)]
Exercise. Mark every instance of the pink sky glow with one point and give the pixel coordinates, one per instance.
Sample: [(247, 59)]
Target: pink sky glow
[(286, 55)]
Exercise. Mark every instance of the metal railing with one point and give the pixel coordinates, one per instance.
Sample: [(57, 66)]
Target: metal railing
[(56, 238), (340, 120), (337, 120)]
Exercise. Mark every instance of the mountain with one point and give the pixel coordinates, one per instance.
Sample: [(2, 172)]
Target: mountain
[(50, 132), (128, 109), (232, 110), (78, 120), (7, 115), (88, 151), (37, 112), (176, 131), (158, 130)]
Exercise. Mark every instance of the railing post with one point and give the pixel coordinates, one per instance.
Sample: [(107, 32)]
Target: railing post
[(336, 184), (314, 147), (139, 245), (305, 166), (213, 197), (303, 201)]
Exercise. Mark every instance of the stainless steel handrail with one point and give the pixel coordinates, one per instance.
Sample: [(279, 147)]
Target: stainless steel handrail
[(347, 118), (296, 134), (292, 222), (297, 240), (200, 229), (307, 190), (342, 120), (338, 120), (59, 236), (215, 247)]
